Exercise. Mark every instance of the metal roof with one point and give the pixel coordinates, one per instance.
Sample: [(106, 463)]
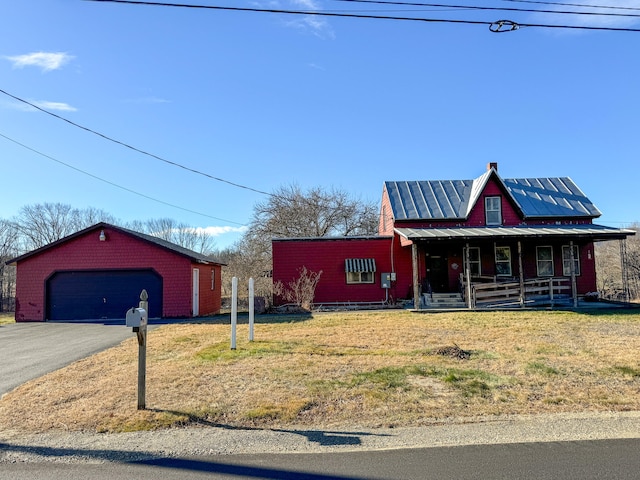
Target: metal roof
[(594, 232), (360, 264), (454, 199), (550, 197), (195, 256)]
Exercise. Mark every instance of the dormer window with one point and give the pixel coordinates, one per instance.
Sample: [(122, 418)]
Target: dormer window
[(493, 210)]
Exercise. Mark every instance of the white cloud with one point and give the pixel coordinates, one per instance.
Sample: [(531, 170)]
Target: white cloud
[(307, 4), (217, 231), (47, 61), (46, 105), (317, 25), (63, 107)]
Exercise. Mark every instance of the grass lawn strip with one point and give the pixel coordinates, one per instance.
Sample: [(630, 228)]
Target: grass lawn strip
[(367, 369)]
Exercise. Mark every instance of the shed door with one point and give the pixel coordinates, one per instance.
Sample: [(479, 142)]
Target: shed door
[(101, 294), (196, 292)]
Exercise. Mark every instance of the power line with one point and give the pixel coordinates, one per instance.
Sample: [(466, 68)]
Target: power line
[(115, 184), (175, 164), (581, 5), (500, 9), (492, 25)]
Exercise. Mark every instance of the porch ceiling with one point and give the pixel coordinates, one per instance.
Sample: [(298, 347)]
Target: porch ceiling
[(593, 232)]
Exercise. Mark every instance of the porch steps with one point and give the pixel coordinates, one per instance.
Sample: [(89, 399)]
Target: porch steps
[(443, 300)]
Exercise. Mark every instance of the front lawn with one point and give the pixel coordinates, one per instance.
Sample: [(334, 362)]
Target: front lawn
[(347, 369)]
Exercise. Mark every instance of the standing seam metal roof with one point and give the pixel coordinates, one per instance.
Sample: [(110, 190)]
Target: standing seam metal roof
[(454, 199)]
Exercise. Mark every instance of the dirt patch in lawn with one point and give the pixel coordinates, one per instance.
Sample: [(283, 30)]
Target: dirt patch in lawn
[(368, 369)]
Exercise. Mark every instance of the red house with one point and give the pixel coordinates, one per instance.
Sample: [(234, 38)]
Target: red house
[(99, 273), (465, 243)]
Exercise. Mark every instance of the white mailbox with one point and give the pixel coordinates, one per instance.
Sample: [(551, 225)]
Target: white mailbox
[(136, 317)]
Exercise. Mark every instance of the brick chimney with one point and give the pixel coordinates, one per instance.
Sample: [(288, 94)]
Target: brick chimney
[(493, 165)]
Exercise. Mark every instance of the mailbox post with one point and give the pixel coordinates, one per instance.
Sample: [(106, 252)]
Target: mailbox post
[(137, 319)]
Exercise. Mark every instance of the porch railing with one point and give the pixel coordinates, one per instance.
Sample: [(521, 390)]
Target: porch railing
[(538, 290)]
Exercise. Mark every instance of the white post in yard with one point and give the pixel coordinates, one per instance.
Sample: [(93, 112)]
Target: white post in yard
[(234, 311), (251, 308)]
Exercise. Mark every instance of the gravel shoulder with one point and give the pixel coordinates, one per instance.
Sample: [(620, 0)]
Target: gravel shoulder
[(67, 447)]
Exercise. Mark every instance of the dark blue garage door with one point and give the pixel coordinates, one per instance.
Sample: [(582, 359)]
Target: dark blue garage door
[(86, 295)]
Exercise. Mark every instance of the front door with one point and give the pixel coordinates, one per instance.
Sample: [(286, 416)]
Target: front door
[(438, 273)]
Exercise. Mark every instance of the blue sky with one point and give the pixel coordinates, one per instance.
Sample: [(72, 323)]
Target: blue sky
[(264, 100)]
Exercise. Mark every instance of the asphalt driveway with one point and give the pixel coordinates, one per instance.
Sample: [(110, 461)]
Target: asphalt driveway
[(30, 350)]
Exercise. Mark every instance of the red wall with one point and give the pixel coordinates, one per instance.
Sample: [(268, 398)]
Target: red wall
[(210, 295), (119, 251), (510, 215), (329, 256)]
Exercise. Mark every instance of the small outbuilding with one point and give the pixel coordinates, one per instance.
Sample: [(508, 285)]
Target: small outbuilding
[(98, 273)]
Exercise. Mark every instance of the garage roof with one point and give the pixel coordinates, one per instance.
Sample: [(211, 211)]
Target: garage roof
[(194, 256)]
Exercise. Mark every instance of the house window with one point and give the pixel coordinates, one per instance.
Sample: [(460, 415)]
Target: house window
[(213, 279), (544, 258), (566, 260), (474, 261), (360, 270), (503, 261), (493, 210)]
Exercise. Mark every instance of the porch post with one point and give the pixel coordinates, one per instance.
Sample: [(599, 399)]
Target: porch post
[(574, 286), (416, 286), (467, 270), (522, 293)]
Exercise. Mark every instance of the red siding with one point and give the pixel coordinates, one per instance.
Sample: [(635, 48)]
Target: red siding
[(210, 292), (329, 255), (510, 214), (394, 254), (385, 224), (119, 251)]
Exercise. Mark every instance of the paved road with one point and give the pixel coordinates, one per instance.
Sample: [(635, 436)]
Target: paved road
[(589, 460), (29, 350)]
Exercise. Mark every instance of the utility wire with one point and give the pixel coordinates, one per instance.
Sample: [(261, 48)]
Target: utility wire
[(175, 164), (115, 184), (501, 9), (492, 25), (581, 5)]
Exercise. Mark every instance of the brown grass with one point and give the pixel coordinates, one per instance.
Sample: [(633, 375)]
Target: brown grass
[(7, 318), (364, 369)]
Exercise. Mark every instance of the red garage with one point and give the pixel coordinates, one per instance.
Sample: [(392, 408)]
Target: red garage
[(99, 272)]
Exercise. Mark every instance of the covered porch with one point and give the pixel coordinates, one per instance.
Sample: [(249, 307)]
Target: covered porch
[(498, 267)]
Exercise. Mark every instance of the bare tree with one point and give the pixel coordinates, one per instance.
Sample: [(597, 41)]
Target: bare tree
[(44, 223), (8, 249), (193, 238), (292, 212), (608, 266)]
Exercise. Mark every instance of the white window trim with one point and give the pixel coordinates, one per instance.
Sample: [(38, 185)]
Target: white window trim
[(538, 261), (566, 266), (487, 210), (507, 262), (355, 278)]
